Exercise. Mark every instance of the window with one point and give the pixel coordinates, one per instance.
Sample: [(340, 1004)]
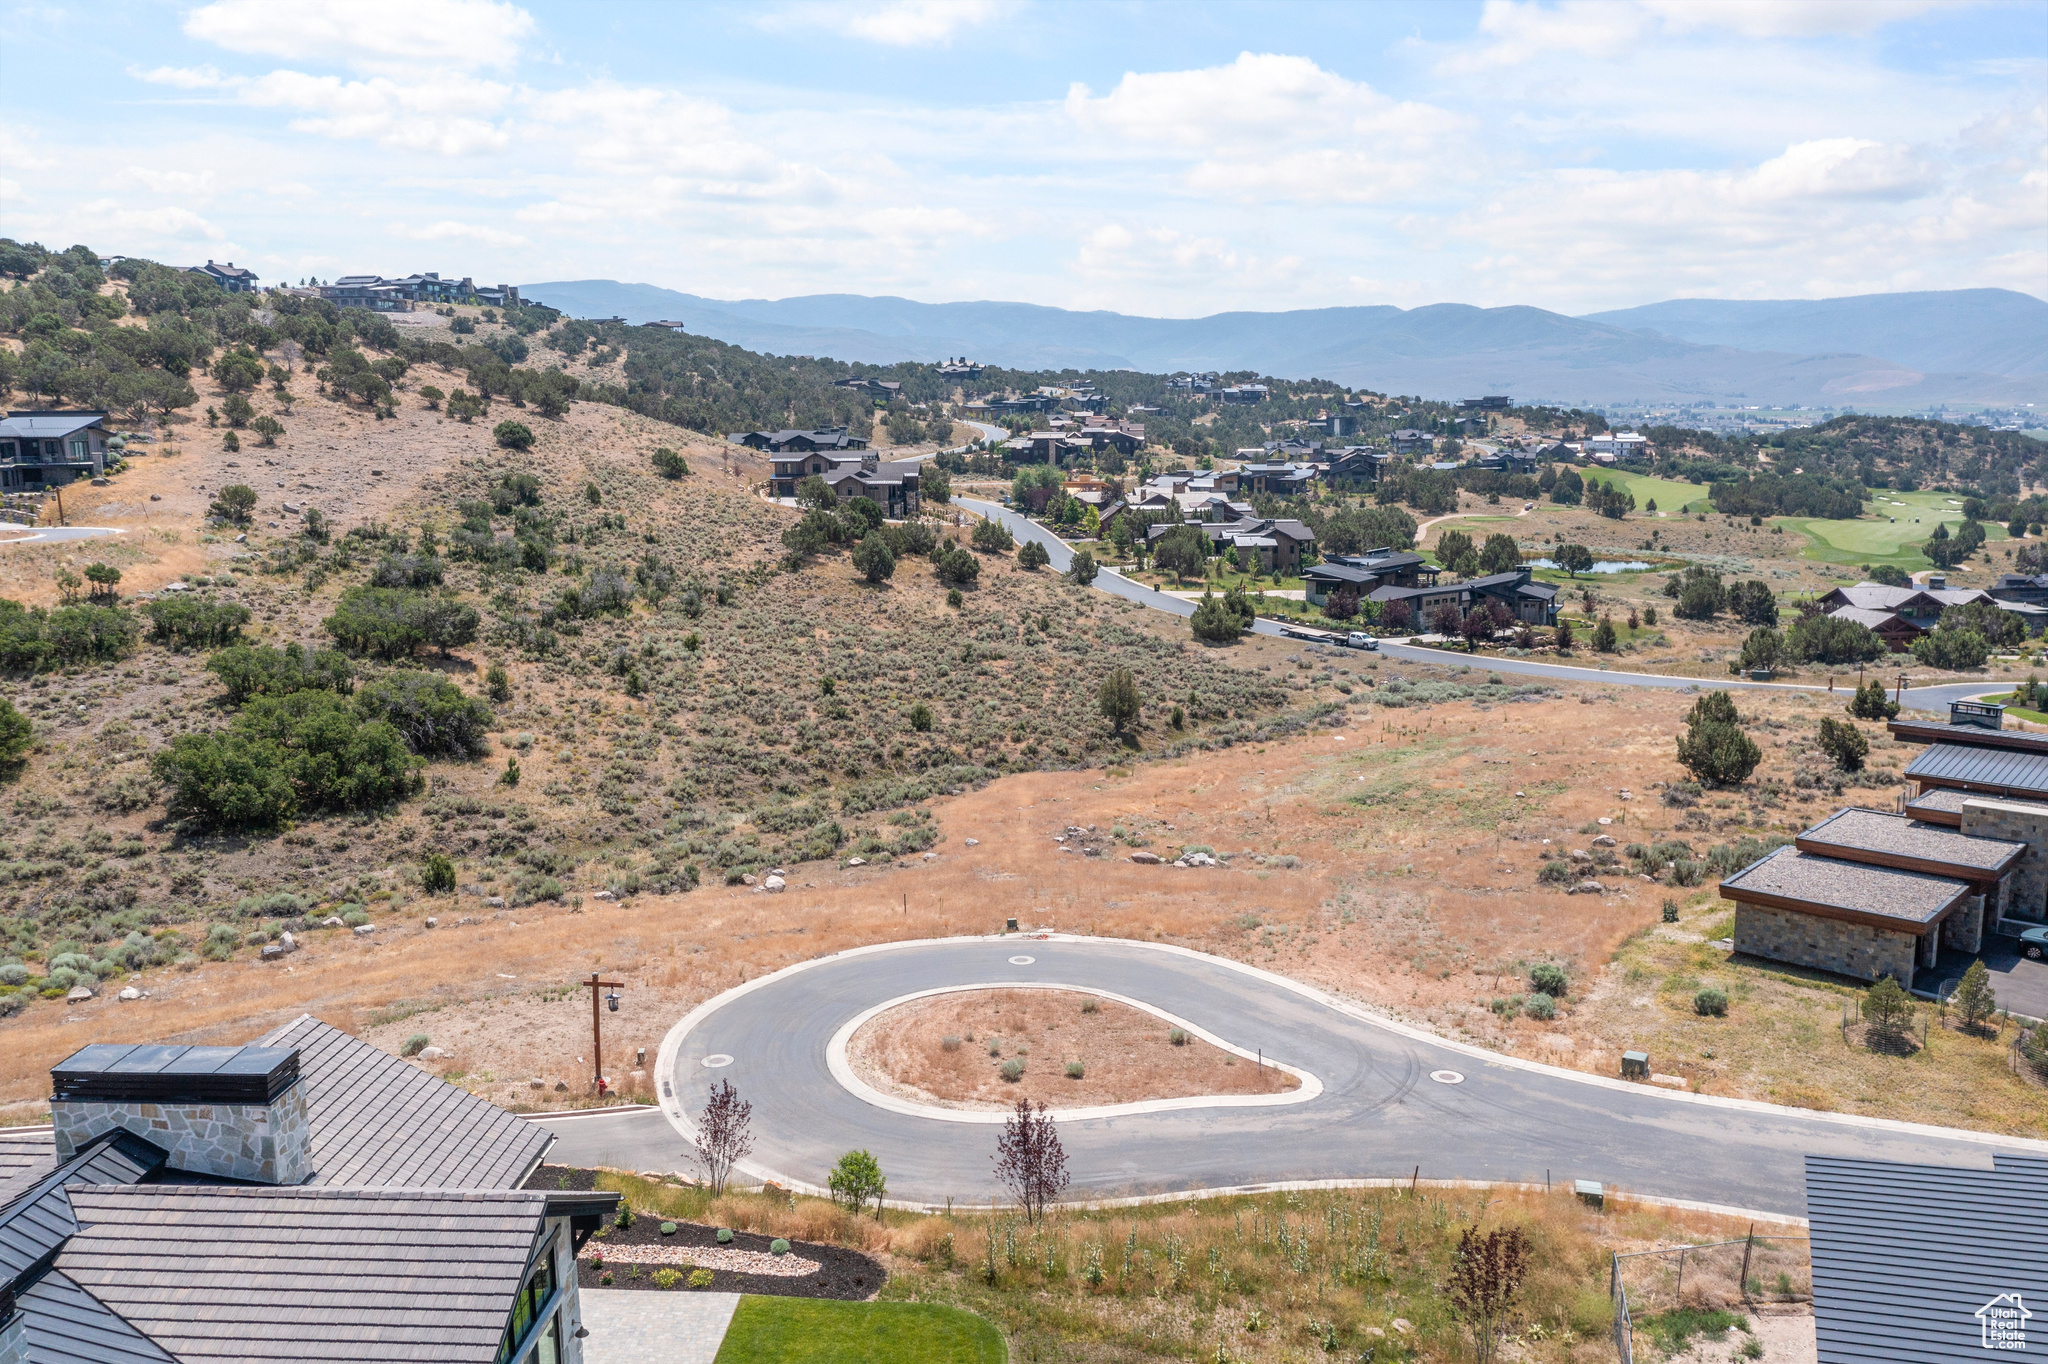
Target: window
[(81, 450), (536, 1297), (6, 449)]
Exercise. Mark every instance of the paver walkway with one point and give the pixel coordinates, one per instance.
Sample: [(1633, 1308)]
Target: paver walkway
[(643, 1326)]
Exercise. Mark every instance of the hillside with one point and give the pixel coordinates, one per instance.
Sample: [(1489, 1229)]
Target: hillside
[(1443, 351)]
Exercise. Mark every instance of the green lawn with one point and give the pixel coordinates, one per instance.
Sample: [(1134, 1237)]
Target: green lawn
[(2019, 712), (1669, 494), (1892, 529), (820, 1331)]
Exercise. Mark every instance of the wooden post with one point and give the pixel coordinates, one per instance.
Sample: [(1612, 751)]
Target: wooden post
[(597, 1027), (1748, 1242), (1680, 1295)]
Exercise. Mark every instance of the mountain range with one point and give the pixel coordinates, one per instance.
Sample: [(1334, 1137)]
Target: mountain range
[(1890, 351)]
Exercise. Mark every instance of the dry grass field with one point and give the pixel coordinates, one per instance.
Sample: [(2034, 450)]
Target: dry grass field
[(951, 1050)]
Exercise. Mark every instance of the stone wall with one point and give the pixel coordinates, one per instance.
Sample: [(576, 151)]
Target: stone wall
[(265, 1143), (2028, 897), (1964, 929), (1845, 949)]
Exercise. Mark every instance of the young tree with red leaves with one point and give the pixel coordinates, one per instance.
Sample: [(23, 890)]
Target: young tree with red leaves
[(1030, 1160), (1485, 1279), (1477, 627), (723, 1138)]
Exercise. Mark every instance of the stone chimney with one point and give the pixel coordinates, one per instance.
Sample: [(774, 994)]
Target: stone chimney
[(231, 1112), (870, 461)]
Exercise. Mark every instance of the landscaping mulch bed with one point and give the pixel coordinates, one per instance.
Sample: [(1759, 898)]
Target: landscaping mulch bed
[(844, 1274)]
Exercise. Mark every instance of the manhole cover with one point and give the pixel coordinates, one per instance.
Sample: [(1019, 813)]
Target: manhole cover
[(1022, 961), (714, 1062), (1442, 1077)]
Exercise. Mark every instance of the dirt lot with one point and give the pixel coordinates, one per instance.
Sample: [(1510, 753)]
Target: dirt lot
[(950, 1050)]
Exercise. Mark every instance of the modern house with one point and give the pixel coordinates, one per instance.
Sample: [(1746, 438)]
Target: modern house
[(1901, 615), (49, 449), (823, 440), (230, 277), (884, 389), (1867, 893), (305, 1197), (1361, 574), (1527, 601), (963, 368), (1278, 479), (895, 486), (1624, 446), (1408, 441), (1493, 402), (1194, 383), (1883, 1295), (1245, 393)]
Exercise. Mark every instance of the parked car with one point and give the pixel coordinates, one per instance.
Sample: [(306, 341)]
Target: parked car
[(2034, 942), (1358, 639)]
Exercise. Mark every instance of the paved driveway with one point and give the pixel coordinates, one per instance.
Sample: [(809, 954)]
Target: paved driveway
[(650, 1326), (2020, 983)]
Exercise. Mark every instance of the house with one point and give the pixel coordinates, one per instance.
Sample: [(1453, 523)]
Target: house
[(1900, 614), (1278, 479), (894, 486), (1355, 464), (498, 296), (230, 277), (305, 1196), (1884, 1294), (820, 439), (666, 326), (963, 368), (1194, 383), (1623, 446), (366, 291), (1895, 630), (1530, 602), (1362, 573), (49, 449), (1494, 402), (1408, 441), (884, 389), (1867, 893), (1245, 393)]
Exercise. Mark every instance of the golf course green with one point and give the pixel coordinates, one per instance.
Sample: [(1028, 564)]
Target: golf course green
[(1891, 530)]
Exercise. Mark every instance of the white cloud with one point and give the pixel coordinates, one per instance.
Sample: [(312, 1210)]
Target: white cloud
[(1517, 32), (172, 181), (450, 230), (1792, 18), (896, 23), (450, 115), (370, 34)]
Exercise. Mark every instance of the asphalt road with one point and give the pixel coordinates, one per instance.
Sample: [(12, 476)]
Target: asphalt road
[(1380, 1115), (1935, 698), (50, 534)]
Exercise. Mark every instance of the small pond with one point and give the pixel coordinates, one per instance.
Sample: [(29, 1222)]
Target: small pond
[(1599, 566)]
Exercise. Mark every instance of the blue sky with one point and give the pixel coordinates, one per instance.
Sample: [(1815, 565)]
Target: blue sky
[(1169, 159)]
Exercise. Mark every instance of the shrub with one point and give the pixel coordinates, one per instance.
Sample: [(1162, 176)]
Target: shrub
[(259, 670), (667, 1278), (992, 537), (1012, 1070), (512, 435), (957, 566), (949, 1043), (1540, 1007), (1829, 639), (1118, 698), (390, 622), (1177, 1036), (1671, 911), (1075, 1070), (437, 875), (1549, 979), (669, 464), (701, 1278), (1887, 1008), (1871, 703), (1844, 743), (1556, 874), (921, 718), (778, 1246), (1214, 622), (873, 557), (1032, 556), (234, 504), (414, 1045), (953, 597), (1083, 568), (436, 717), (1091, 1006), (189, 623), (1714, 748), (305, 751), (16, 734), (1710, 1003), (1954, 650)]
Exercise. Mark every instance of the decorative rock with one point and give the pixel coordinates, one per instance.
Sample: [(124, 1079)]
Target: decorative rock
[(1603, 820), (856, 861), (602, 895), (288, 942), (494, 902), (130, 993), (433, 922), (1587, 887), (536, 1083), (156, 497), (1670, 1081), (79, 994), (1197, 860), (773, 885), (1580, 855), (561, 1086), (332, 921), (464, 921), (930, 856), (1603, 840), (747, 880), (972, 842), (431, 1053), (363, 929), (271, 952), (1148, 859), (1403, 1325)]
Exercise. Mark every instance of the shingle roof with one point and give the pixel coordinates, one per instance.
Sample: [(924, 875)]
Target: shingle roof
[(1995, 770), (308, 1275), (1905, 1257), (26, 1155), (1905, 901), (1869, 618), (64, 1324), (377, 1120), (1864, 835)]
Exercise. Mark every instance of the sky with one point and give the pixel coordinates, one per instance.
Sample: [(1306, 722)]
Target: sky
[(1163, 159)]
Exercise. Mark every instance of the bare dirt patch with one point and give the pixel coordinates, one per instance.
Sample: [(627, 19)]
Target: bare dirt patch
[(951, 1050)]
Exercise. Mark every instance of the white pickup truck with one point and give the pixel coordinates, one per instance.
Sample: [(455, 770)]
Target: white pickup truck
[(1358, 639)]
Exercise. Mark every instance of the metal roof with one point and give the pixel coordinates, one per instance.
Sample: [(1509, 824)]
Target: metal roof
[(154, 1073), (48, 424), (1997, 770), (1910, 1260), (377, 1120), (308, 1275), (40, 1217)]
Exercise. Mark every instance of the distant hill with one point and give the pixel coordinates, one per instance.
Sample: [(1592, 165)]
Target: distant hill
[(1989, 331), (1444, 350)]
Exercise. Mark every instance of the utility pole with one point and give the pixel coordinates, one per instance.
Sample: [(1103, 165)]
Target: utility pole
[(1900, 693), (597, 1027)]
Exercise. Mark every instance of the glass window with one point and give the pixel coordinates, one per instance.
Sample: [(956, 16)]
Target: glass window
[(6, 449), (549, 1351), (80, 450), (527, 1307)]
